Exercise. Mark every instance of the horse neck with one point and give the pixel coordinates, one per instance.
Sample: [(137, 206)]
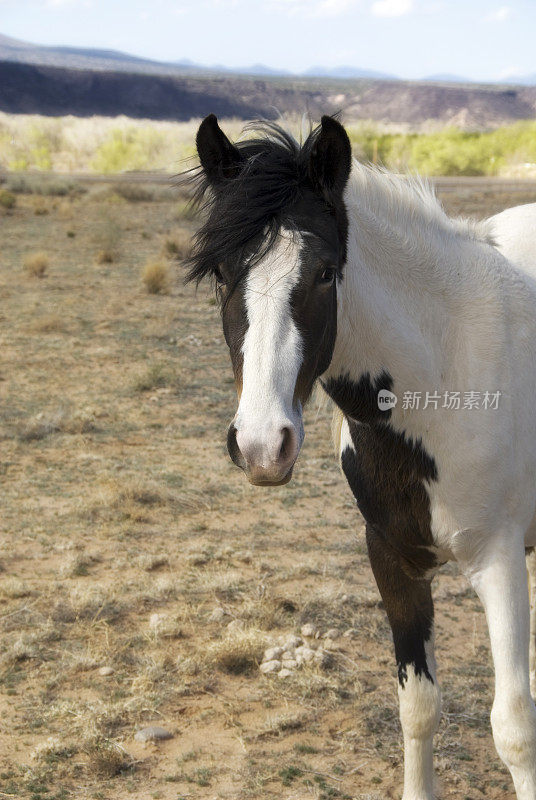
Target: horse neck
[(411, 271)]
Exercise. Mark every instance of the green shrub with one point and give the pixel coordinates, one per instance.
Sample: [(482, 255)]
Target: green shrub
[(447, 152), (130, 149), (7, 199)]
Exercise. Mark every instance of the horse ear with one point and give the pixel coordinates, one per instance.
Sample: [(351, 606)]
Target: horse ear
[(219, 158), (331, 157)]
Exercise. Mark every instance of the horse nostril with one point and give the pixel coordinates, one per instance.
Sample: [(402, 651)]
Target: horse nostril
[(233, 448), (286, 444)]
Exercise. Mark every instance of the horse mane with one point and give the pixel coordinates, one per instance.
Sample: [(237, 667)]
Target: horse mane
[(403, 198), (250, 207)]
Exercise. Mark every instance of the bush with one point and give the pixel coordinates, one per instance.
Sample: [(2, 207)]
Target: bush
[(36, 264), (105, 256), (7, 199), (134, 193), (155, 276), (129, 149), (179, 246)]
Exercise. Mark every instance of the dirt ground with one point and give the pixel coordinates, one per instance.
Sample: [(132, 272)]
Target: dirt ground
[(129, 542)]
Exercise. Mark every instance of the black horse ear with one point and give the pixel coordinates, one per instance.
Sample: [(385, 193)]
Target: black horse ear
[(219, 158), (331, 158)]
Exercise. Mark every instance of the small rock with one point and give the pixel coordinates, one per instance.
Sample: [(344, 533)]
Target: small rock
[(272, 653), (236, 625), (308, 629), (217, 615), (270, 666), (333, 633), (305, 653), (154, 733), (289, 663), (106, 671), (285, 673), (292, 642), (287, 654), (323, 658), (156, 621)]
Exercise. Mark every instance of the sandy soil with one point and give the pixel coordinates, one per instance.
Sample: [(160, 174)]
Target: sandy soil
[(120, 503)]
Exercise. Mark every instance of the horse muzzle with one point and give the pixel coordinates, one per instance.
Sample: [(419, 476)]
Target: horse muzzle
[(266, 454)]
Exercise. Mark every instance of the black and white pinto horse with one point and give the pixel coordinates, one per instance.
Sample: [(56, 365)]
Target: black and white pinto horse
[(334, 271)]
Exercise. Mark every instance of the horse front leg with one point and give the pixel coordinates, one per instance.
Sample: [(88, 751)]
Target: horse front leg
[(531, 569), (410, 611), (500, 580)]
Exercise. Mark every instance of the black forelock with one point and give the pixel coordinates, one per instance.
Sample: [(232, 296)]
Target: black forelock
[(244, 215)]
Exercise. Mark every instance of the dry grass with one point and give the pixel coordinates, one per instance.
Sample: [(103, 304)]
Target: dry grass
[(7, 199), (48, 323), (178, 246), (131, 543), (155, 277), (36, 264), (105, 257), (238, 652)]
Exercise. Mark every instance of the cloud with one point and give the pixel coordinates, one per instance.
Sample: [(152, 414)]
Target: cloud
[(499, 14), (315, 8), (59, 3), (392, 8)]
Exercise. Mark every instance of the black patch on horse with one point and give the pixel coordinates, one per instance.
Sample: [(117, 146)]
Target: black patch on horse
[(359, 400), (387, 473)]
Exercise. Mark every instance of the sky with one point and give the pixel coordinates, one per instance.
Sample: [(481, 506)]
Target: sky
[(477, 39)]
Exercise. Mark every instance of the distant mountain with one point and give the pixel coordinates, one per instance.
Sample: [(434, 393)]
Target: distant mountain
[(21, 52), (87, 58), (52, 91), (446, 77), (347, 72), (90, 58), (521, 80), (80, 81)]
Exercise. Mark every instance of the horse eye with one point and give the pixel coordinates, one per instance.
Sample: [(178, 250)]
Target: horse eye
[(328, 275)]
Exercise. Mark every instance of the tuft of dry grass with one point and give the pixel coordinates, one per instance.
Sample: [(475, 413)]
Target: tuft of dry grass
[(7, 199), (105, 256), (178, 246), (155, 377), (106, 758), (238, 652), (48, 422), (36, 264), (49, 323), (14, 588), (51, 749), (149, 562), (107, 237), (134, 192), (155, 277)]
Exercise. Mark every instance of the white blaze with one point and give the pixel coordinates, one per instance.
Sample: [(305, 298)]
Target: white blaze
[(272, 352)]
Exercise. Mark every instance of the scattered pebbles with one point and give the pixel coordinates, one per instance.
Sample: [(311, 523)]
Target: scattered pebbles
[(291, 652)]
